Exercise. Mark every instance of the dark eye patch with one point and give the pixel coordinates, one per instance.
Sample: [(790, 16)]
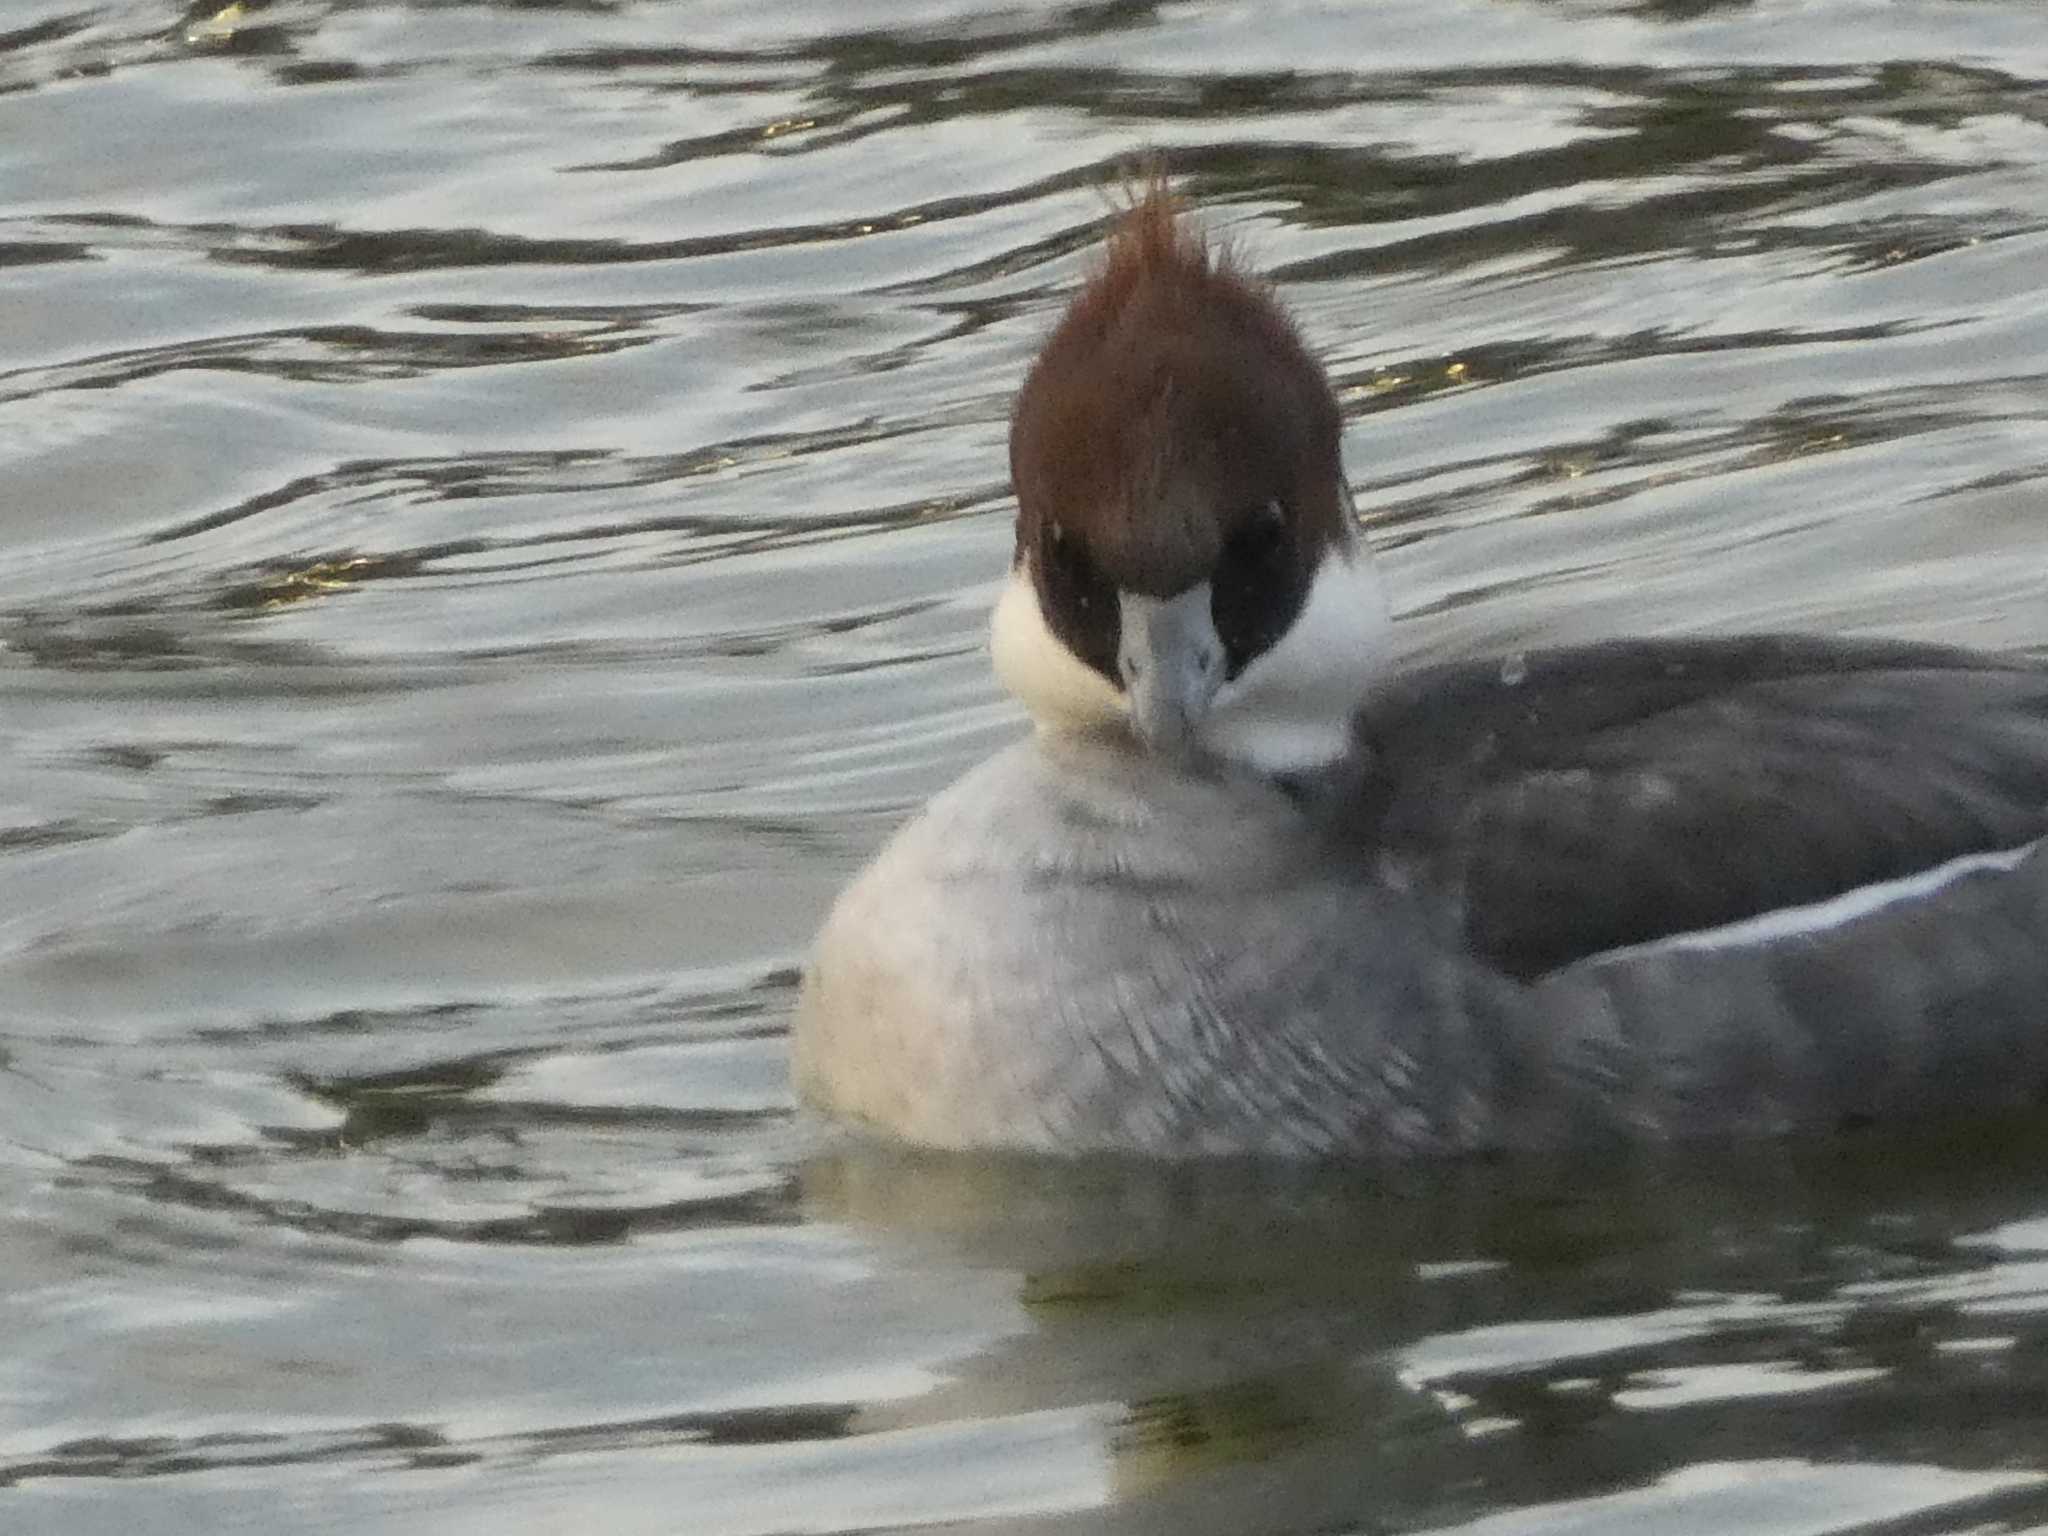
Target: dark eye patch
[(1079, 603), (1259, 587)]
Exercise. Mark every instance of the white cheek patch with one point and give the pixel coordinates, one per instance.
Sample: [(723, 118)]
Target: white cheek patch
[(1291, 709), (1062, 692)]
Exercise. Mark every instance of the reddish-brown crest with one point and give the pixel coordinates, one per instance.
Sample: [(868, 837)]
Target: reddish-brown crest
[(1173, 401)]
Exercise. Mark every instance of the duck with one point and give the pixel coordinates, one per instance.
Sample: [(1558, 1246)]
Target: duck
[(1255, 887)]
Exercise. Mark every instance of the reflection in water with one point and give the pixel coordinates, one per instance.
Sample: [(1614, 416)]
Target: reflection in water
[(501, 504), (1425, 1344)]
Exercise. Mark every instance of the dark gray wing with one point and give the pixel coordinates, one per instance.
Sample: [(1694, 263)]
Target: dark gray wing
[(1561, 803)]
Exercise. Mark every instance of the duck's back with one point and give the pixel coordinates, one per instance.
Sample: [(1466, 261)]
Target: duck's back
[(1572, 802)]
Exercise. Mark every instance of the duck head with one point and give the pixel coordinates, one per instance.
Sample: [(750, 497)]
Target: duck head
[(1187, 564)]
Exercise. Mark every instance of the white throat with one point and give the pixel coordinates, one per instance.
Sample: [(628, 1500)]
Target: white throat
[(1289, 711)]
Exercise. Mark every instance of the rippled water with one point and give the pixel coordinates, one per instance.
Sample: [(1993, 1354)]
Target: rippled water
[(498, 504)]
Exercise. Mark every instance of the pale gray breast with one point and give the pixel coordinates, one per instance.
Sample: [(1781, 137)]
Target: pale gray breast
[(1075, 948)]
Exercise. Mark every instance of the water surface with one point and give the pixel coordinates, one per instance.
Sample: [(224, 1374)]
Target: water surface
[(498, 508)]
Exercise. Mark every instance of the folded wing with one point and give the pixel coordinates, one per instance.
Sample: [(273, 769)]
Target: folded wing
[(1563, 804)]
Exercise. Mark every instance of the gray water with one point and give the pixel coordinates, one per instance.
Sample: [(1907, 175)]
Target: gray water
[(498, 506)]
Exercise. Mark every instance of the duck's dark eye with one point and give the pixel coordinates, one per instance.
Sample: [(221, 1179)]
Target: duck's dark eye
[(1079, 603), (1258, 586)]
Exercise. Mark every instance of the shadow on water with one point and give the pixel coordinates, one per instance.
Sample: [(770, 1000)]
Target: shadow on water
[(1429, 1345)]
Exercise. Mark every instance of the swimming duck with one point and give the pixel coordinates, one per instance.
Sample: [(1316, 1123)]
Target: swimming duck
[(1252, 888)]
